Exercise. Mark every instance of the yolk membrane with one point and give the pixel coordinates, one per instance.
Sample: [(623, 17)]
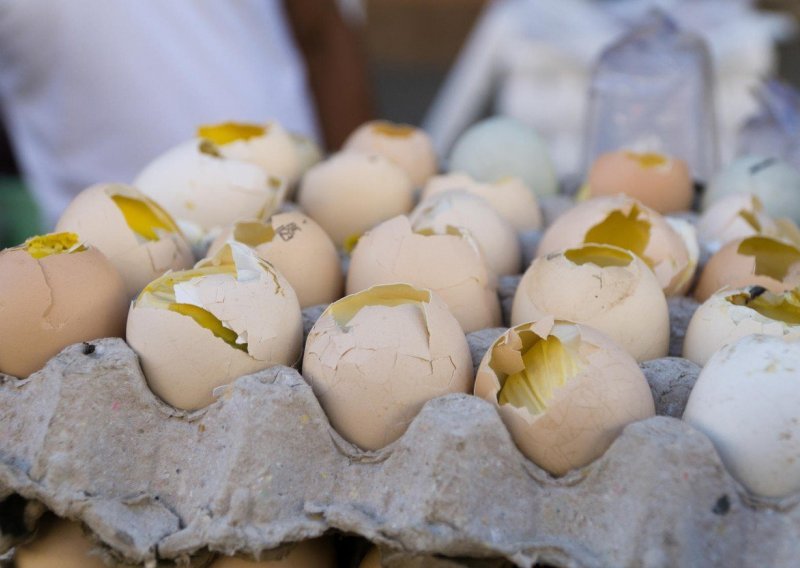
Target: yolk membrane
[(253, 233), (773, 258), (600, 255), (390, 296), (624, 231)]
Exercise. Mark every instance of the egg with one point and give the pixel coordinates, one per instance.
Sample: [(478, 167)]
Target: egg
[(661, 182), (501, 146), (564, 391), (731, 314), (351, 192), (195, 330), (316, 553), (375, 357), (753, 261), (450, 264), (59, 543), (299, 248), (746, 400), (372, 559), (509, 196), (55, 291), (405, 145), (139, 238), (624, 222), (497, 239), (307, 150), (605, 287), (203, 190), (734, 217), (267, 145)]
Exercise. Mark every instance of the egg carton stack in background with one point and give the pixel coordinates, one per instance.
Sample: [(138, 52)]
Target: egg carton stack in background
[(262, 467)]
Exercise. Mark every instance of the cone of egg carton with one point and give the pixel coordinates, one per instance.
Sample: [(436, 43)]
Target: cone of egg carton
[(417, 422)]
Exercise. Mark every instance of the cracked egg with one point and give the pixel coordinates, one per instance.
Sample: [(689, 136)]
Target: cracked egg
[(731, 314), (450, 263), (753, 261), (298, 248), (195, 330), (375, 357), (55, 291), (564, 391), (139, 238), (609, 289), (670, 252), (407, 146), (734, 217)]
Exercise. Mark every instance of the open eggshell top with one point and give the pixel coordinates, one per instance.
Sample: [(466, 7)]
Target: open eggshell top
[(746, 400), (195, 330), (351, 192), (731, 314), (139, 238), (298, 248), (497, 239), (624, 222), (509, 196), (660, 182), (564, 391), (450, 264), (59, 543), (55, 291), (753, 261), (605, 287), (315, 553), (375, 357), (203, 189), (407, 146), (734, 217)]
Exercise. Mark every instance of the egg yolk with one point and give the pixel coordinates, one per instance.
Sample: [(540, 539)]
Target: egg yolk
[(228, 132), (209, 321), (780, 307), (647, 159), (393, 130), (253, 233), (773, 258), (55, 243), (448, 230), (600, 255), (390, 295), (627, 232), (145, 217)]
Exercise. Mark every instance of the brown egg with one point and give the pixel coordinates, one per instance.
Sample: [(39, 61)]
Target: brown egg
[(59, 543), (54, 292), (564, 391), (315, 553), (624, 222), (658, 181), (734, 217), (298, 248), (753, 261)]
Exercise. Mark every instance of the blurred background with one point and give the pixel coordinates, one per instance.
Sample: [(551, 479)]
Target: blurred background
[(443, 64)]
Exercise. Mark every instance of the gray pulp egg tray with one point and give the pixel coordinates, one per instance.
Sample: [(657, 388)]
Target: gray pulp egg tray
[(262, 467)]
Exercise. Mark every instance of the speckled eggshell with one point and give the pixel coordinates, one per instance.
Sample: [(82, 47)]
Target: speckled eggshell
[(299, 248), (405, 145), (509, 196), (451, 265), (316, 553), (610, 298), (49, 303), (373, 366), (59, 543), (585, 414), (101, 223), (351, 192), (496, 237)]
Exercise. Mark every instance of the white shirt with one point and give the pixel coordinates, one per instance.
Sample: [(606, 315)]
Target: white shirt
[(92, 90)]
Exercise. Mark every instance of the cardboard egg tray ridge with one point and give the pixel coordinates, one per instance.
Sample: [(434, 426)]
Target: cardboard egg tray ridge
[(261, 467)]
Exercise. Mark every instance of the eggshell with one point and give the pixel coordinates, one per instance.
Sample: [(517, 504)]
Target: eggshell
[(660, 182), (598, 391), (316, 553), (351, 192), (451, 265), (509, 196), (59, 543), (139, 256), (754, 261), (196, 184), (730, 315), (49, 303), (604, 287), (372, 559), (184, 361), (622, 221), (375, 357), (501, 146), (298, 248), (746, 400), (775, 182), (496, 237), (405, 145), (734, 217)]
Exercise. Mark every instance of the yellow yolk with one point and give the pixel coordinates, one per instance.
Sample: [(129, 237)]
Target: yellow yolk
[(389, 295), (624, 231), (780, 307), (393, 130), (227, 132), (600, 255), (773, 258), (648, 159), (144, 217), (55, 243)]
